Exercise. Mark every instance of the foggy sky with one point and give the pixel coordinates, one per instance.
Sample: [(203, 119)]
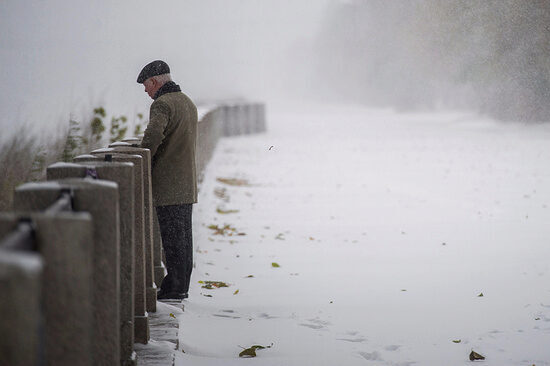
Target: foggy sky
[(61, 58)]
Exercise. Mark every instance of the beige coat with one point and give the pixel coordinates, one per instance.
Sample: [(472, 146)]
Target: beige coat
[(171, 135)]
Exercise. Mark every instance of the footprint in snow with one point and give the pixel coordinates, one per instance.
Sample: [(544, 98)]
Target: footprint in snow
[(226, 316), (392, 347), (316, 324), (312, 326), (353, 340), (372, 356)]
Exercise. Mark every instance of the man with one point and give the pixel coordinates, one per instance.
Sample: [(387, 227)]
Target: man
[(171, 136)]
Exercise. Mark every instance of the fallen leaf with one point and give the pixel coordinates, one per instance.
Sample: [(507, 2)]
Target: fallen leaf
[(209, 285), (480, 295), (275, 265), (251, 351), (172, 315), (236, 292), (226, 229), (234, 182), (476, 356), (248, 352), (457, 340), (280, 236), (206, 295), (249, 276), (224, 212), (537, 318), (221, 193)]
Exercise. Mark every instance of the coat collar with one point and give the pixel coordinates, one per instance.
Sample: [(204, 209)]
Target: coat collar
[(168, 87)]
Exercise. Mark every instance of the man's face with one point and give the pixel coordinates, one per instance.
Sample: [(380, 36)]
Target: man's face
[(151, 87)]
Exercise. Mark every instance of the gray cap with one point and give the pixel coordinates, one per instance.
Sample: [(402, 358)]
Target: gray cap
[(154, 68)]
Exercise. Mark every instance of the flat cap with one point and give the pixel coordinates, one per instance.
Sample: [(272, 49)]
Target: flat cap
[(154, 68)]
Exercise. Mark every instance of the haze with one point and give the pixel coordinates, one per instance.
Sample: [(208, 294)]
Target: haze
[(61, 59)]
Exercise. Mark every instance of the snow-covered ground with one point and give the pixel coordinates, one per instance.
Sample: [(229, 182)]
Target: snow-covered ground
[(387, 228)]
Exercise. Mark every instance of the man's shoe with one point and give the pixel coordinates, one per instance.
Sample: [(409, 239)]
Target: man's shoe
[(172, 295)]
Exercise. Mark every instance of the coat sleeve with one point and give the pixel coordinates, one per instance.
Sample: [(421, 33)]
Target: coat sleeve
[(154, 134)]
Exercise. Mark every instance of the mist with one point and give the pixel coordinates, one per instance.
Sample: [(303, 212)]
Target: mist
[(62, 59), (485, 56)]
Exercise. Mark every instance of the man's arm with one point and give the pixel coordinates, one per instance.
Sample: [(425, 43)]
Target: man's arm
[(154, 133)]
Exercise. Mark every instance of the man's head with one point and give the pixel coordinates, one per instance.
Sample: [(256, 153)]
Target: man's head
[(154, 75)]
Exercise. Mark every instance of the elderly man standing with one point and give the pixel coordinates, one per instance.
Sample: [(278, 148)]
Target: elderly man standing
[(171, 136)]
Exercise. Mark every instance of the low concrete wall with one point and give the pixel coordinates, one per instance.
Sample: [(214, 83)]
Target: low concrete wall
[(123, 174), (83, 297), (21, 317)]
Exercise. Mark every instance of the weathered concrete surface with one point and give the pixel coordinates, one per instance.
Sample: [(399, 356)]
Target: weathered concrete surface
[(210, 130), (123, 174), (65, 243), (160, 270), (141, 327), (20, 302), (100, 199), (150, 256), (161, 349)]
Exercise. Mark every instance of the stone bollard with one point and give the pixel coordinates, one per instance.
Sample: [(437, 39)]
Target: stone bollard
[(160, 271), (227, 120), (141, 319), (152, 255), (261, 118), (256, 107), (123, 175), (100, 199), (241, 119), (209, 130), (248, 119), (65, 243), (21, 320), (132, 140)]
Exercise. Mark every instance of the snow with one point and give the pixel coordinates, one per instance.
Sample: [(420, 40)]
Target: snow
[(27, 263), (387, 227)]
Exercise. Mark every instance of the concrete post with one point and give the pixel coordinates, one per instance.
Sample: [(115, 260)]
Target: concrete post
[(100, 199), (160, 270), (65, 242), (248, 119), (123, 175), (227, 120), (21, 321), (152, 255), (141, 319), (132, 140), (211, 127), (241, 119), (262, 126)]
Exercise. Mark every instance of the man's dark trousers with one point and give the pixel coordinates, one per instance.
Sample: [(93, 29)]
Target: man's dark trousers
[(177, 241)]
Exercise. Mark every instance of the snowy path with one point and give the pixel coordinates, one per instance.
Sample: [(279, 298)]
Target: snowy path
[(386, 228)]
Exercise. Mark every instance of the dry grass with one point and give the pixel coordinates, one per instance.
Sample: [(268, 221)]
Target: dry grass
[(24, 158)]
